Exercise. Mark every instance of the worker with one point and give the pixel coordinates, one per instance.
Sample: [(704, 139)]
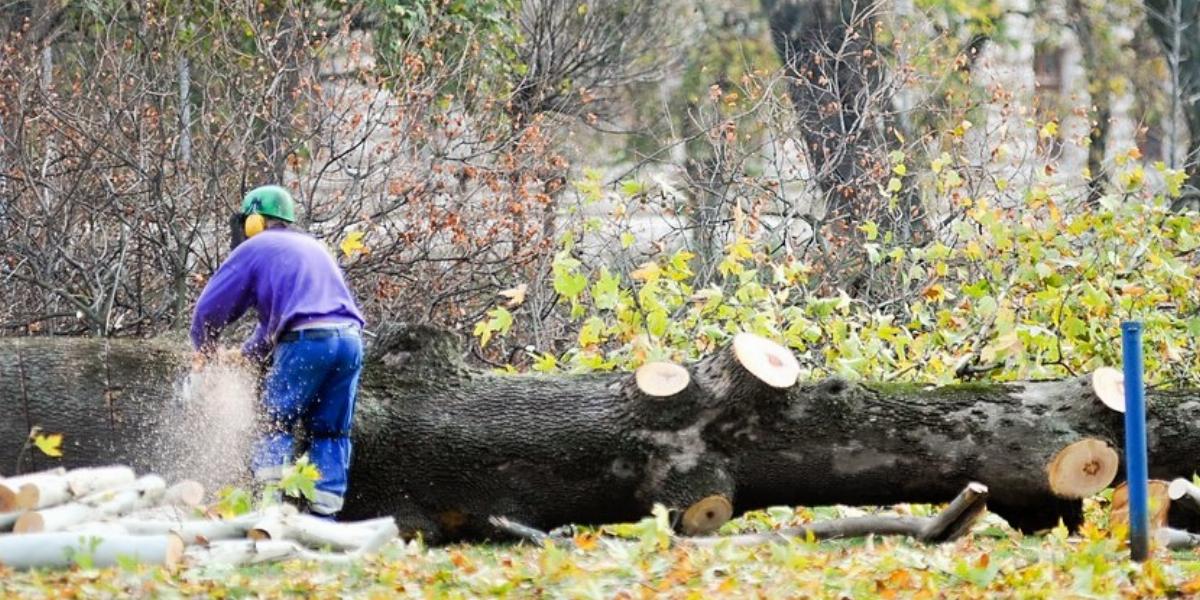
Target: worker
[(309, 328)]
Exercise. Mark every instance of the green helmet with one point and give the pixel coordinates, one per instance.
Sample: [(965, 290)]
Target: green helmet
[(270, 201)]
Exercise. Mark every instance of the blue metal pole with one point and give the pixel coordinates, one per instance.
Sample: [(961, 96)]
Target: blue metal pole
[(1135, 441)]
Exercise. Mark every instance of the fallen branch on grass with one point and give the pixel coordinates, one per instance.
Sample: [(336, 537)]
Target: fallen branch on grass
[(948, 525)]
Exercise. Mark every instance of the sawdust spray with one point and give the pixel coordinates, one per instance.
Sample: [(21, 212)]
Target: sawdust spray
[(209, 429)]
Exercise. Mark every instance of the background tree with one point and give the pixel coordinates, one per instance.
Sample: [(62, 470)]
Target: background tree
[(1174, 23)]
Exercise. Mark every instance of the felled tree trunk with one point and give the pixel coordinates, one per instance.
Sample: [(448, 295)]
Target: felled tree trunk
[(443, 447)]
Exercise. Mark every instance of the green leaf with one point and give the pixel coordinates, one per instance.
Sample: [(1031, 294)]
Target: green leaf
[(606, 290), (1074, 327), (632, 187), (656, 323), (128, 564), (299, 480), (499, 321), (545, 363), (568, 281), (232, 502)]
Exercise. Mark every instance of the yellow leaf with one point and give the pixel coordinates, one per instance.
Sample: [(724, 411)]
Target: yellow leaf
[(586, 541), (973, 250), (353, 243), (50, 445), (1132, 178), (1133, 290), (935, 293), (649, 271), (516, 295)]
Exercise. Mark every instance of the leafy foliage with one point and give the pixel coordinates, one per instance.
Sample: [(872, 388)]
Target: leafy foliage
[(1023, 292)]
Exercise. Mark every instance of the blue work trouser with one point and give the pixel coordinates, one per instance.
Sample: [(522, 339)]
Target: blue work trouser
[(313, 381)]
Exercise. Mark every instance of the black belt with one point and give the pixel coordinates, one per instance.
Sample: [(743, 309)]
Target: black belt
[(319, 333)]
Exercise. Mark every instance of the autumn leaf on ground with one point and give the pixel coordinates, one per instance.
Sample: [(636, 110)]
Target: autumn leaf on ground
[(353, 244), (50, 445), (515, 295), (586, 541)]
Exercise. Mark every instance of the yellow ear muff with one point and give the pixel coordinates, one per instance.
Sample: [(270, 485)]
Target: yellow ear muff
[(255, 224)]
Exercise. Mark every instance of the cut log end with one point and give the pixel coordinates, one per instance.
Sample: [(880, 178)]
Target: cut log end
[(661, 379), (1109, 385), (770, 362), (27, 496), (1082, 469), (185, 493), (271, 525), (1178, 488), (8, 499), (1158, 500), (30, 522), (706, 516)]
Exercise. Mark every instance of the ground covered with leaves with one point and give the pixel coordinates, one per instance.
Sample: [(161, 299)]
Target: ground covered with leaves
[(638, 560)]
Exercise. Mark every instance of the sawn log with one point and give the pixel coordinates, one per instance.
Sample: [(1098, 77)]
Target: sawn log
[(442, 446)]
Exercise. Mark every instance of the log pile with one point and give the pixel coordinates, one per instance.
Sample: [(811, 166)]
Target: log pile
[(103, 515)]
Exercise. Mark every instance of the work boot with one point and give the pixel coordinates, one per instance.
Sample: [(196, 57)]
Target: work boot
[(303, 506)]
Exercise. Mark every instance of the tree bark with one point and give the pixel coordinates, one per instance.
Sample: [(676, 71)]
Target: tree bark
[(442, 447), (827, 47)]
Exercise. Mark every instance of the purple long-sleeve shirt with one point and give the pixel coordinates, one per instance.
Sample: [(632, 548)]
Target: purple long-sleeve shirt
[(287, 276)]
